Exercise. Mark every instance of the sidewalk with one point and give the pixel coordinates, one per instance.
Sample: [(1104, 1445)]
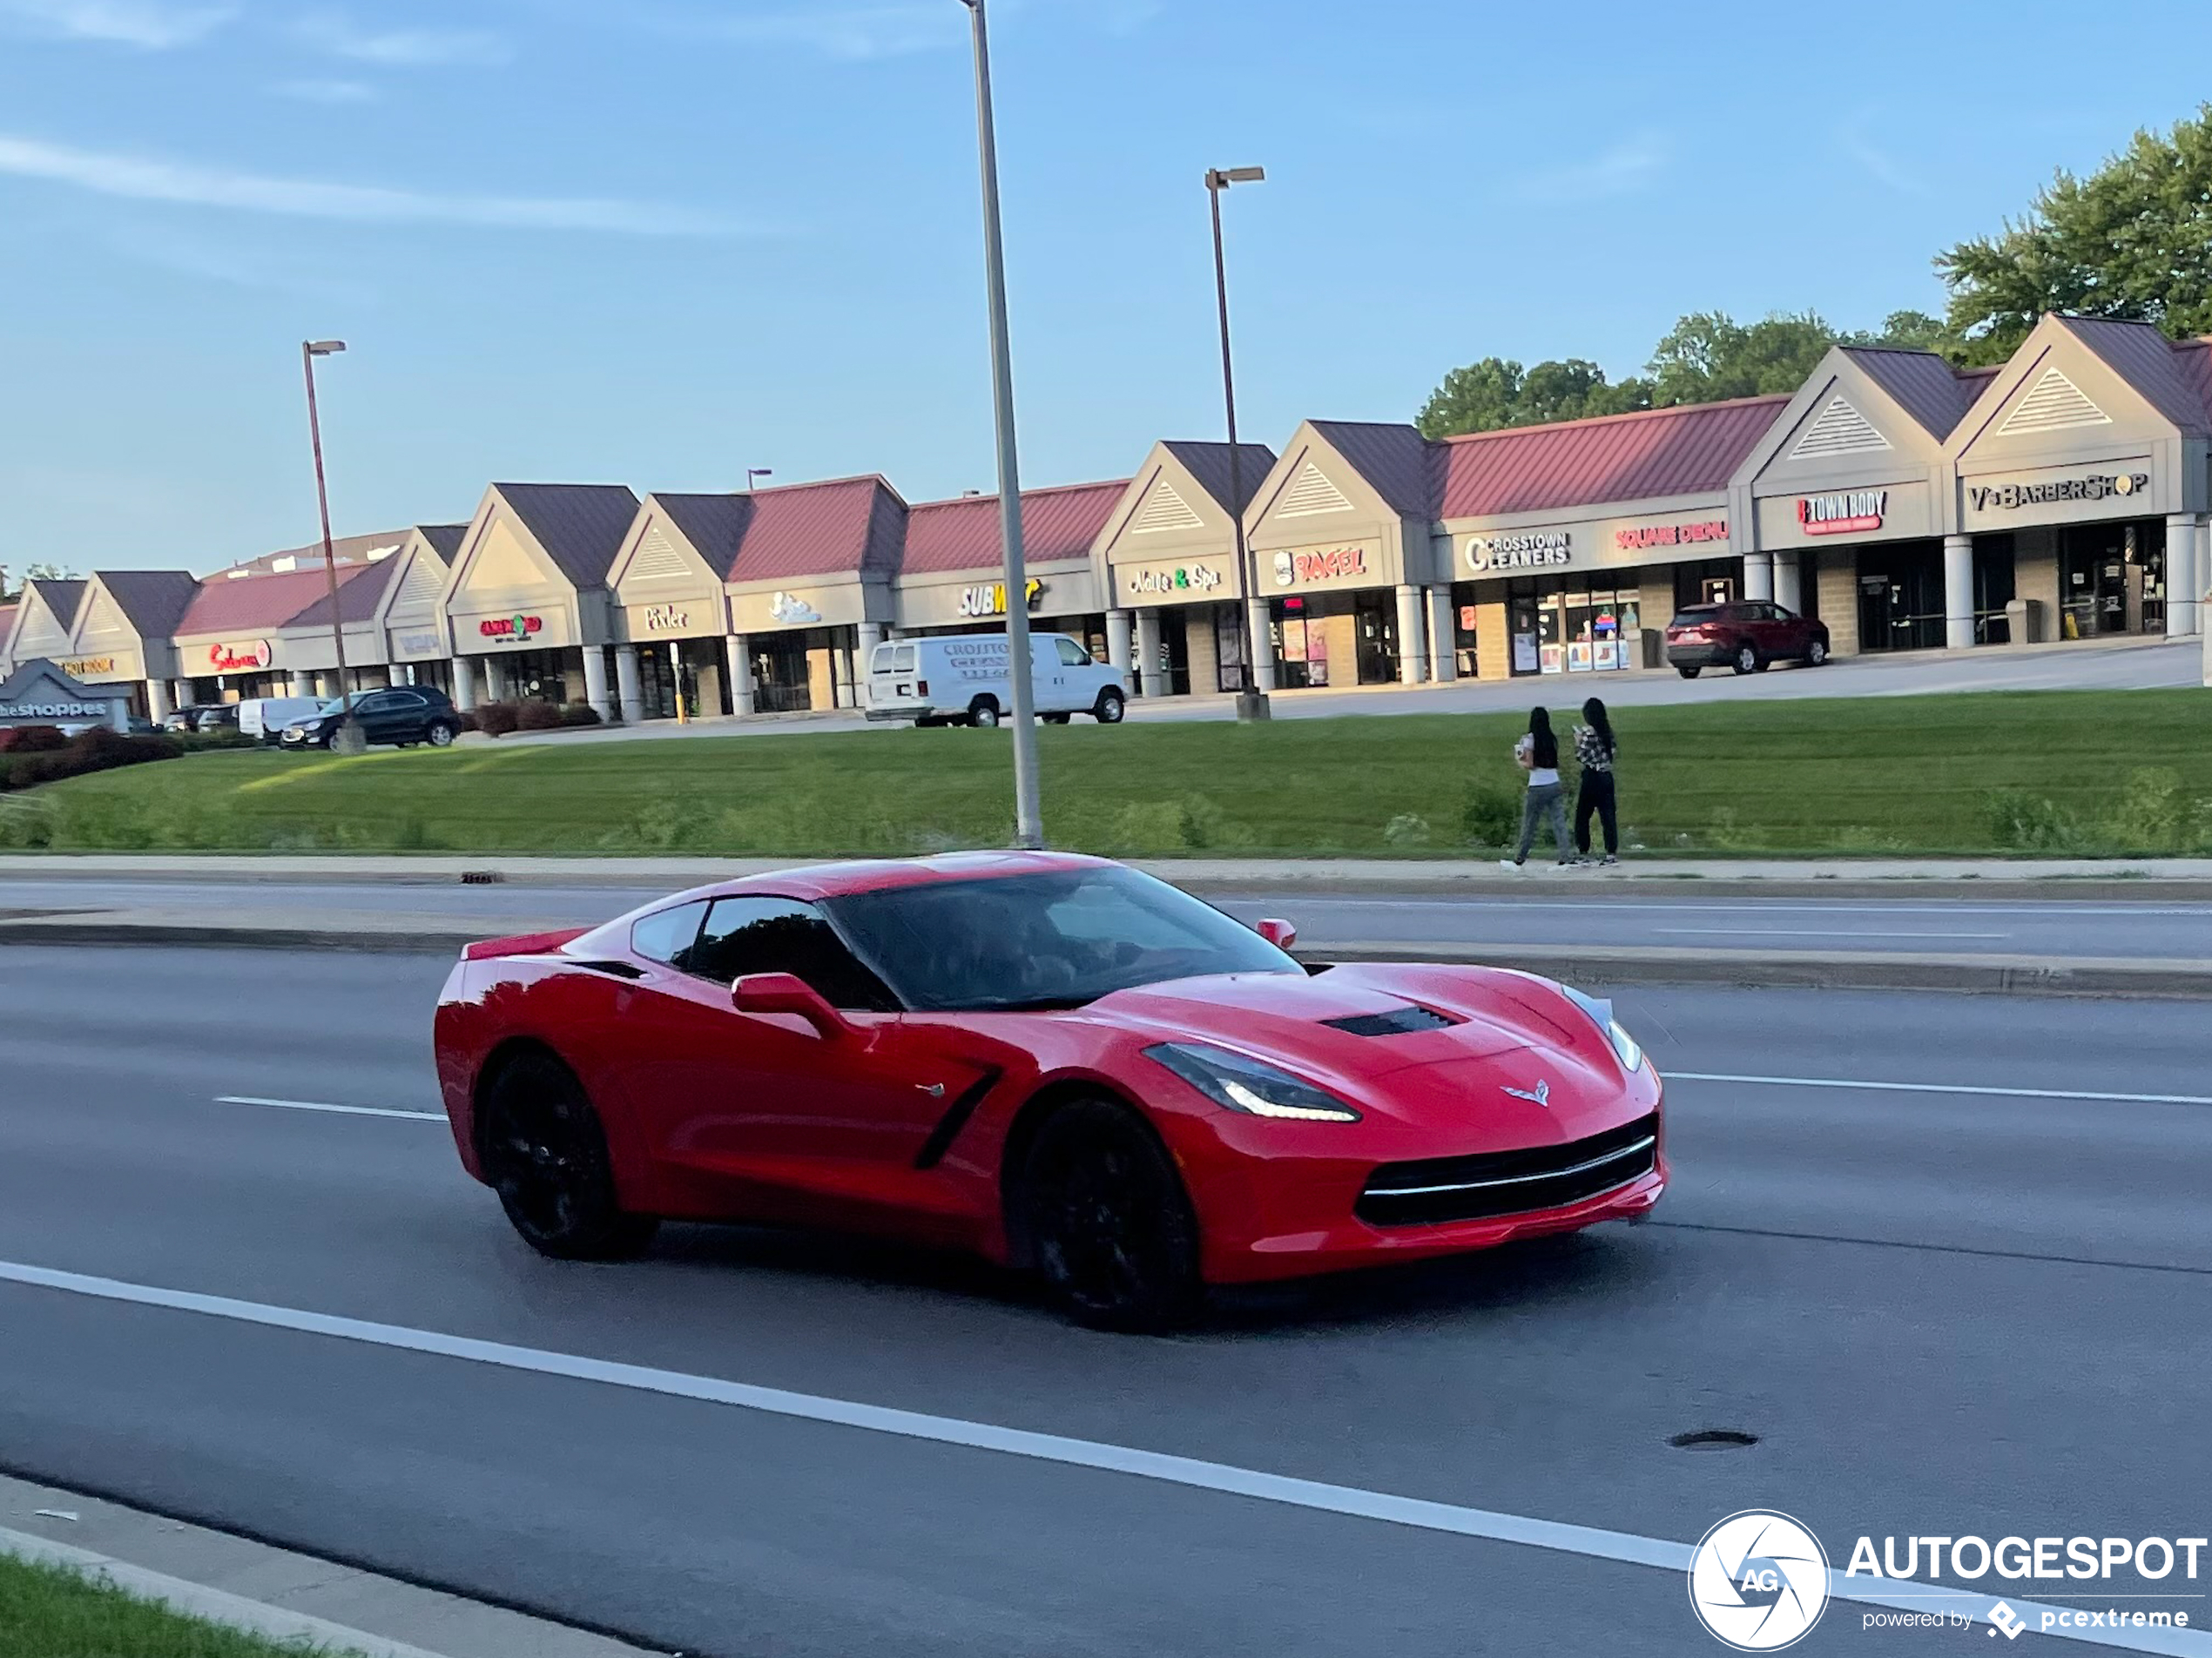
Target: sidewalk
[(272, 1592)]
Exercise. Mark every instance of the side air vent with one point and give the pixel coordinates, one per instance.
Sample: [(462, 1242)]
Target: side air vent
[(615, 969), (1397, 1022)]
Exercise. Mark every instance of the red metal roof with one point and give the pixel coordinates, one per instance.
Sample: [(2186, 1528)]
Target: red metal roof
[(1056, 523), (843, 527), (253, 604), (1690, 449)]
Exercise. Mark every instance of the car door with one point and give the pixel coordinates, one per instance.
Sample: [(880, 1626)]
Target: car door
[(766, 1099), (373, 713)]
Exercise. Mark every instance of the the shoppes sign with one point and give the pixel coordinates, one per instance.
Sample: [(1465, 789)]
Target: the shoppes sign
[(240, 658), (1320, 564), (1637, 537), (511, 627), (1180, 578), (2098, 486), (1844, 514), (991, 600), (1530, 549)]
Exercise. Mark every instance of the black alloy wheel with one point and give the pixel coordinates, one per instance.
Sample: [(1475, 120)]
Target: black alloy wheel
[(1110, 707), (545, 1153), (1747, 659), (1108, 1221)]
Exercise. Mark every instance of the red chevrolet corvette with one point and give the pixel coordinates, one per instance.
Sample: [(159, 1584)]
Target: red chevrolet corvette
[(1054, 1061)]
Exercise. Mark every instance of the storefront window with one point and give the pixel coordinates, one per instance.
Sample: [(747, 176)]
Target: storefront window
[(779, 678), (535, 673), (2112, 579), (1376, 638), (1900, 597), (1227, 648)]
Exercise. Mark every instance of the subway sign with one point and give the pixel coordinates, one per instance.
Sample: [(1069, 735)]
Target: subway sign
[(991, 600)]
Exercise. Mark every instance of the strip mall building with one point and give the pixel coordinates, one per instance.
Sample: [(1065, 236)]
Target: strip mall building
[(1909, 505)]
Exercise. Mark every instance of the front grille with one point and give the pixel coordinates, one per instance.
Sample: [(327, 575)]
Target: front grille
[(1508, 1182), (1397, 1022)]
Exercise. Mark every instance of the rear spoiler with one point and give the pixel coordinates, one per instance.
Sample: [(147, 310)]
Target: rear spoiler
[(520, 944)]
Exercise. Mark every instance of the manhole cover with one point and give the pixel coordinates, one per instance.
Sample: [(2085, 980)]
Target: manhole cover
[(1713, 1439)]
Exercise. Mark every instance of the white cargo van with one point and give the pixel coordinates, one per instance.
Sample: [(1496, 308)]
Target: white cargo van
[(265, 718), (961, 679)]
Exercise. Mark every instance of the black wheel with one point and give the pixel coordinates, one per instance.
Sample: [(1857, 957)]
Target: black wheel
[(1747, 660), (983, 712), (1108, 1221), (439, 735), (1056, 720), (1110, 707), (545, 1153), (1687, 673), (1816, 653)]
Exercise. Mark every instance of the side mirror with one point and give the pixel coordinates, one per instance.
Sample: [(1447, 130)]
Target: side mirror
[(786, 993), (1281, 935)]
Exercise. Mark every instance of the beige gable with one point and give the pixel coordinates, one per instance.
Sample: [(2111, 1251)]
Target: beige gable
[(105, 623), (39, 631), (504, 562), (1839, 429), (1163, 510), (2055, 404), (1312, 495)]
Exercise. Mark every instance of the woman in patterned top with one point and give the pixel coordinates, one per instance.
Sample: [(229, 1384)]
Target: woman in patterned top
[(1594, 750)]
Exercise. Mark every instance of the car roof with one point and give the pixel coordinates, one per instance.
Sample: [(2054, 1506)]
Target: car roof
[(883, 875)]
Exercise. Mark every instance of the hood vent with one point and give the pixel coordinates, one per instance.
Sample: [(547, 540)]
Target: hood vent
[(1397, 1022)]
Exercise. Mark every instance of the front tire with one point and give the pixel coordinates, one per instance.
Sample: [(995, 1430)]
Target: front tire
[(1816, 654), (1687, 673), (1110, 707), (545, 1153), (1108, 1221), (439, 735), (1747, 660), (983, 713)]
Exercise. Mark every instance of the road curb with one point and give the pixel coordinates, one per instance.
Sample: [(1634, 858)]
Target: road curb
[(2160, 977)]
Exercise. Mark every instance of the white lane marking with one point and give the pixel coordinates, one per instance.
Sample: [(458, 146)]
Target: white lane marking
[(1940, 1087), (335, 1110), (1588, 1541), (1823, 933)]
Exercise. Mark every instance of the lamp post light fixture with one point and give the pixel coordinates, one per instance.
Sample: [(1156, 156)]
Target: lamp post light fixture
[(751, 473), (309, 350), (1028, 817), (1252, 701)]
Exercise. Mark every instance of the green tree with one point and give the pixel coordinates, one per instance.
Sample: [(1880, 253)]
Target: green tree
[(1709, 355), (2134, 240), (11, 589), (1498, 391)]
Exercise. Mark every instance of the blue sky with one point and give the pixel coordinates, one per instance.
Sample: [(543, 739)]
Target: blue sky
[(657, 241)]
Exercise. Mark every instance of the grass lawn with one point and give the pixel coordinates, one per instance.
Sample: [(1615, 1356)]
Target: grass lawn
[(2050, 771), (51, 1612)]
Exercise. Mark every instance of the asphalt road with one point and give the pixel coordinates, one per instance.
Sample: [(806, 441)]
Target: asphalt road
[(1983, 1311), (2022, 924)]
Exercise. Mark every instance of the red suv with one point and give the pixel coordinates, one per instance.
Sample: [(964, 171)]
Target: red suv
[(1745, 637)]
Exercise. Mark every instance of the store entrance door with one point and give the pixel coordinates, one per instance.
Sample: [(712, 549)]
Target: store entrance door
[(1375, 641), (779, 674)]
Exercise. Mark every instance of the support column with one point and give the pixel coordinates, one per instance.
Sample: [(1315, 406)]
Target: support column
[(301, 685), (871, 636), (1443, 632), (594, 681), (1149, 681), (464, 683), (1789, 582), (1259, 641), (738, 650), (1758, 576), (1959, 592), (2185, 575), (1117, 644), (627, 689), (1412, 637), (157, 700)]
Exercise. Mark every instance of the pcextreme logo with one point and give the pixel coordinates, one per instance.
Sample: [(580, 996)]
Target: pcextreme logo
[(1758, 1582)]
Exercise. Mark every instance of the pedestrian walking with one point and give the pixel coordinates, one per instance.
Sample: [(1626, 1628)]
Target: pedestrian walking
[(1594, 750), (1537, 754)]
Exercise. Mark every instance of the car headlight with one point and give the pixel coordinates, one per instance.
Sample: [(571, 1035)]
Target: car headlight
[(1625, 1047), (1250, 1086)]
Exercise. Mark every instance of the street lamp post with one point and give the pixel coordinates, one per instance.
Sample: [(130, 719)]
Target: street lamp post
[(751, 473), (309, 350), (1252, 701), (1029, 815)]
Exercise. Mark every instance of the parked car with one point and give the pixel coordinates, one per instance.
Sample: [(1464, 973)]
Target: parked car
[(267, 716), (1746, 636), (402, 716), (961, 679), (202, 717)]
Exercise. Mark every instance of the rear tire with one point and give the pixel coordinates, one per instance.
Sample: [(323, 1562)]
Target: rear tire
[(983, 712), (1109, 1224), (545, 1153), (1747, 660), (1687, 673), (1110, 708)]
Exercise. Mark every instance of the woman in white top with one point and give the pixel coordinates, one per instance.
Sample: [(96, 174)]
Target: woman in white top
[(1537, 754)]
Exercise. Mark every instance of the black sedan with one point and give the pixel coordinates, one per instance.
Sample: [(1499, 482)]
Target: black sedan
[(402, 716)]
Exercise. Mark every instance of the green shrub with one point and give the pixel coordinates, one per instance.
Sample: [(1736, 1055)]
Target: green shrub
[(1489, 816), (538, 715), (497, 719), (580, 714), (1405, 831), (2025, 822)]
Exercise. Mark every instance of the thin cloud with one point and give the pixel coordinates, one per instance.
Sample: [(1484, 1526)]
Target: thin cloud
[(847, 31), (333, 33), (1626, 167), (145, 179), (330, 93), (1886, 168), (151, 26)]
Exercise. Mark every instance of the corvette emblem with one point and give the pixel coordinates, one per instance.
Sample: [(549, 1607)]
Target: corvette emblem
[(1541, 1094)]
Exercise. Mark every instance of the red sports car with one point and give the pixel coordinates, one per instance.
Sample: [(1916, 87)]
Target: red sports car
[(1054, 1061)]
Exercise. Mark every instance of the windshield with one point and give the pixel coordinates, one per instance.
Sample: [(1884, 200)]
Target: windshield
[(335, 706), (1041, 942)]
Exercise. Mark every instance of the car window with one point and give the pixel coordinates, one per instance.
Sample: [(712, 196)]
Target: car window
[(903, 661), (406, 699), (1073, 654), (1696, 617), (375, 702), (666, 935), (762, 935), (881, 659)]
